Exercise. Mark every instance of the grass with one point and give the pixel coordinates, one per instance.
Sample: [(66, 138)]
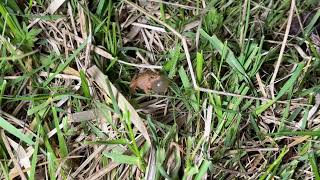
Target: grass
[(242, 101)]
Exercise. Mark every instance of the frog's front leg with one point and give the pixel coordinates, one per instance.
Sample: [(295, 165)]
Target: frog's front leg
[(133, 88)]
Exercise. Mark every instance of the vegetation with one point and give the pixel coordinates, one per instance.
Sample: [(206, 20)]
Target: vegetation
[(242, 101)]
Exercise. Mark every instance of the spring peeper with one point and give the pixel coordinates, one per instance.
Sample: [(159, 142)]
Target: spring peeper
[(150, 81)]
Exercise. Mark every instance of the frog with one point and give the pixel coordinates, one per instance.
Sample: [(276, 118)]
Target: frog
[(150, 81)]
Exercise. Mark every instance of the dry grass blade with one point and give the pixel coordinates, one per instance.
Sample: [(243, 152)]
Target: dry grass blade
[(207, 121), (21, 154), (15, 162), (283, 45), (105, 54), (151, 170), (104, 171), (83, 116), (100, 79), (54, 6), (175, 4), (88, 160), (149, 27)]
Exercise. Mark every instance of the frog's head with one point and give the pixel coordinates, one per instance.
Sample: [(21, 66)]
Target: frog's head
[(160, 85)]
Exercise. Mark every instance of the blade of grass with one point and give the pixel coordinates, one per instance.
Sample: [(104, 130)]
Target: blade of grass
[(11, 21), (274, 164), (116, 141), (5, 170), (51, 157), (123, 103), (171, 64), (296, 133), (35, 156), (133, 146), (203, 169), (289, 84), (312, 24), (187, 86), (2, 89), (314, 166), (62, 66), (123, 159), (84, 85), (230, 58), (199, 66), (51, 165), (113, 98), (62, 142), (14, 131)]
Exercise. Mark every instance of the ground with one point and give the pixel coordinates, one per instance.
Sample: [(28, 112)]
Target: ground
[(237, 98)]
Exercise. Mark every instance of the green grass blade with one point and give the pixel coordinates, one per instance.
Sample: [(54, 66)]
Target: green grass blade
[(116, 108), (51, 157), (171, 64), (11, 21), (84, 85), (51, 165), (107, 142), (312, 24), (274, 164), (2, 89), (123, 159), (14, 131), (39, 107), (230, 58), (62, 142), (199, 66), (314, 166), (5, 171), (35, 156), (203, 169), (187, 86), (289, 84), (62, 66), (296, 133)]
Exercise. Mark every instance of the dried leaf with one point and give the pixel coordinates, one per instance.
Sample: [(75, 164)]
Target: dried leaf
[(100, 79)]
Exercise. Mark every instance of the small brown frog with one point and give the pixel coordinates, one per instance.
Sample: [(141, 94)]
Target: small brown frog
[(150, 81)]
